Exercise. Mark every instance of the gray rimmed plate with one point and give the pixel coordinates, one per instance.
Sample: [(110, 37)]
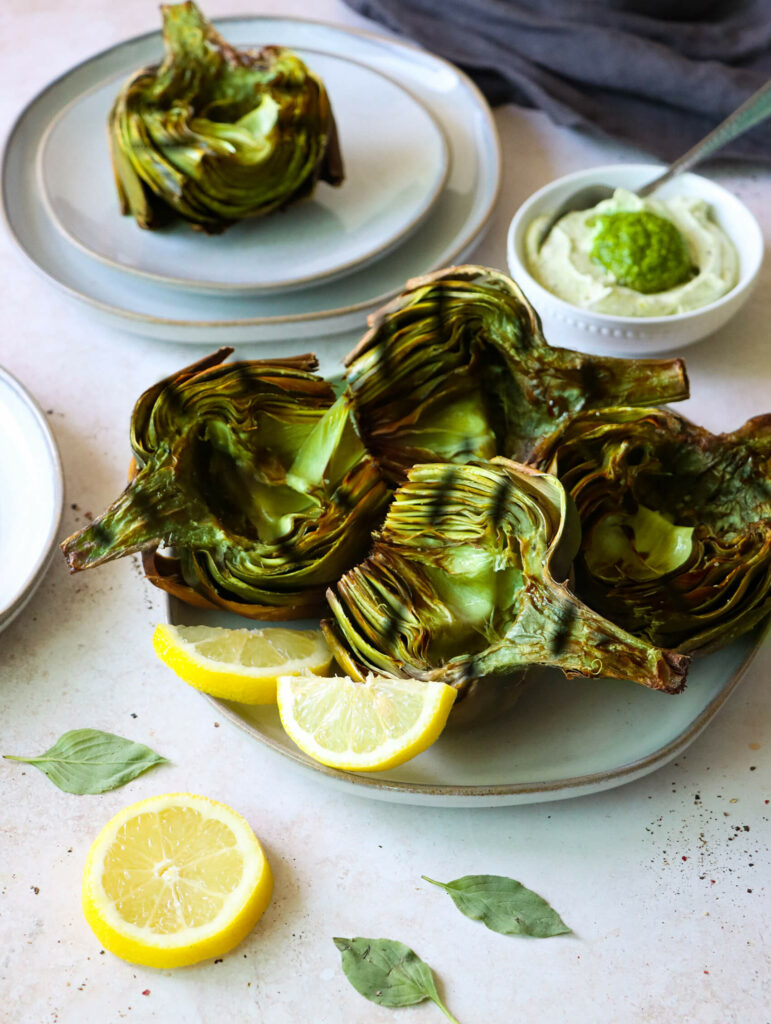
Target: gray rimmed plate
[(563, 738), (453, 225), (393, 176), (31, 496)]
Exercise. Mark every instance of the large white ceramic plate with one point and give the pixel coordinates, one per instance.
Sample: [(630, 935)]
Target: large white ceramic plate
[(454, 225), (31, 496), (392, 178), (563, 738)]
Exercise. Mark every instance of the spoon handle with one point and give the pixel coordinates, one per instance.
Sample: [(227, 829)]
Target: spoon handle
[(757, 108)]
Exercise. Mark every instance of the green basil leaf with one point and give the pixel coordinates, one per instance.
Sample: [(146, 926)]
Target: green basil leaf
[(90, 761), (388, 973), (504, 905)]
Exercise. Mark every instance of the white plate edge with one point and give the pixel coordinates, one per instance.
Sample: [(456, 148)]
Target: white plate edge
[(10, 611)]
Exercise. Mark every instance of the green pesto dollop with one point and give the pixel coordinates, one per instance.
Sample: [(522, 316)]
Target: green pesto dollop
[(641, 250)]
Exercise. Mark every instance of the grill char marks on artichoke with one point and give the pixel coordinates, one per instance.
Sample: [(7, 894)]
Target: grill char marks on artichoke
[(253, 473), (457, 367), (217, 134), (676, 522), (465, 582)]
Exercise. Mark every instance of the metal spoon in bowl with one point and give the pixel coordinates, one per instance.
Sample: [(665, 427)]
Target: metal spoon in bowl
[(757, 108)]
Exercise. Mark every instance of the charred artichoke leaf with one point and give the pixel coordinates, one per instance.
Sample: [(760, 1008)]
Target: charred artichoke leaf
[(676, 522), (456, 367), (465, 581), (218, 134), (254, 474)]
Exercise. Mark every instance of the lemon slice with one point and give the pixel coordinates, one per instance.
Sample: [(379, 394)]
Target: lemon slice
[(240, 664), (175, 879), (364, 727)]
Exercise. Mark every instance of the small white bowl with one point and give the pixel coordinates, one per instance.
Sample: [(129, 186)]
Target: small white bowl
[(570, 326)]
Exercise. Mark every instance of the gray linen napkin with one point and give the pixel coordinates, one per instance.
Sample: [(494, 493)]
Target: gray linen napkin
[(658, 73)]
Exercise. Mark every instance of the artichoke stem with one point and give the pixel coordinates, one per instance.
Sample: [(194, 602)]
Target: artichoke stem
[(583, 643), (636, 381), (140, 516)]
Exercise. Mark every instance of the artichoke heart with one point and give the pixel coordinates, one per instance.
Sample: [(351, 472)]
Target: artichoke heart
[(456, 367), (217, 134), (676, 522), (465, 581), (254, 475)]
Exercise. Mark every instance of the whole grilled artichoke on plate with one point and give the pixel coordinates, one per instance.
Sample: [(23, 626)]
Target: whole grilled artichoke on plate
[(466, 581), (676, 522), (254, 475), (457, 367), (217, 134)]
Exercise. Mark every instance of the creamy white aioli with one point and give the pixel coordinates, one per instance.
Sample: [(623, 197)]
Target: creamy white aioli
[(564, 265)]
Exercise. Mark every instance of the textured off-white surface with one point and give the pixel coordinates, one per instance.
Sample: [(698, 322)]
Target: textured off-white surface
[(658, 939)]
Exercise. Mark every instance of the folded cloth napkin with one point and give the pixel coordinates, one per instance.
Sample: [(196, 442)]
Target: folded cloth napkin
[(658, 73)]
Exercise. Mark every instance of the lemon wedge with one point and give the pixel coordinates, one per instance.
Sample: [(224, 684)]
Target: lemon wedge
[(240, 664), (173, 880), (362, 726)]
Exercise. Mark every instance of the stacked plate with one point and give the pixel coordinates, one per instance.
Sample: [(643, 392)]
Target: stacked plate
[(31, 496), (422, 167)]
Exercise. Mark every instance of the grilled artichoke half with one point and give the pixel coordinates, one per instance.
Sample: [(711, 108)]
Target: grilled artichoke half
[(255, 476), (465, 583), (457, 367), (218, 134), (676, 522)]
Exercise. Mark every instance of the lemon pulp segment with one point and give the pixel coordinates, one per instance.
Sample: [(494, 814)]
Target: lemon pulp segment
[(365, 726), (174, 879), (240, 664)]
